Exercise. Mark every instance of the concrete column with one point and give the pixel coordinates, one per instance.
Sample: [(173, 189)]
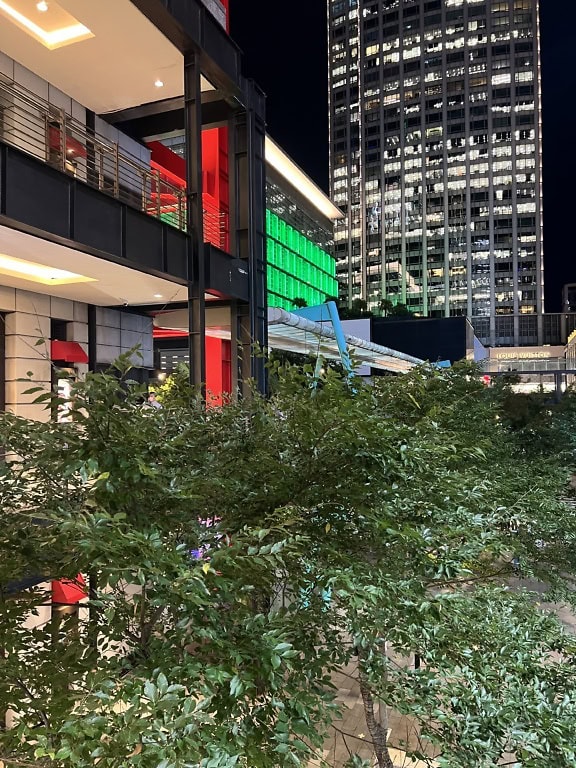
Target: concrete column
[(28, 352)]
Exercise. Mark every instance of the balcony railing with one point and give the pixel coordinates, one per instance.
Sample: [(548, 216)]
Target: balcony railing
[(46, 132), (216, 224)]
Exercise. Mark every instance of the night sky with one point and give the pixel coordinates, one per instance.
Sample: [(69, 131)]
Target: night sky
[(285, 51)]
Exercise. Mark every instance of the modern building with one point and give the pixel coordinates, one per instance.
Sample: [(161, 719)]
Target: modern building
[(569, 297), (299, 246), (95, 229), (436, 339), (299, 234), (435, 157)]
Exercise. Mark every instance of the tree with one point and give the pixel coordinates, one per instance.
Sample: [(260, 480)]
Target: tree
[(386, 306), (358, 309), (400, 310), (238, 557), (359, 305)]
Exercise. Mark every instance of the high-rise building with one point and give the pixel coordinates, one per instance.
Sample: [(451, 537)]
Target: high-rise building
[(435, 156)]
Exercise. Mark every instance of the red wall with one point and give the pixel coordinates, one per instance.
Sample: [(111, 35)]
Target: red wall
[(218, 370), (216, 183)]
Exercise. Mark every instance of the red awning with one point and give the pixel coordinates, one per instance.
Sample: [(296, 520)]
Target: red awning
[(68, 592), (68, 352)]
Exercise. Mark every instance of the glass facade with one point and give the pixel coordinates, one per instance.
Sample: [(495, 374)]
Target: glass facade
[(435, 142), (298, 251), (297, 267)]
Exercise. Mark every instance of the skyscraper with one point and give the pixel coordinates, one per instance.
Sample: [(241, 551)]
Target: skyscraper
[(435, 156)]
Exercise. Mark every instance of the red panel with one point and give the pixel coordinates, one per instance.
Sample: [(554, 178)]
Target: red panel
[(167, 333), (226, 5), (68, 351), (216, 186), (218, 372), (74, 148), (169, 160), (69, 592)]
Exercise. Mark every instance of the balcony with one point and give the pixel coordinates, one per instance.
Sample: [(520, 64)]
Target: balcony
[(47, 133)]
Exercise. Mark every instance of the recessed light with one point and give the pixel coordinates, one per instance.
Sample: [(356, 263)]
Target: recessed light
[(158, 296), (39, 273), (70, 31), (158, 83)]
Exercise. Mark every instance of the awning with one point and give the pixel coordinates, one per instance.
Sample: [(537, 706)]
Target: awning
[(68, 592), (293, 333), (68, 352)]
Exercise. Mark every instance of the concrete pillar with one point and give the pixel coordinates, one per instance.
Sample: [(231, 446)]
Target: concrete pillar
[(28, 352)]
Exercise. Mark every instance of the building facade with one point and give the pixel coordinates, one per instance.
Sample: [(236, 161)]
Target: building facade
[(299, 248), (97, 233), (435, 156), (299, 234)]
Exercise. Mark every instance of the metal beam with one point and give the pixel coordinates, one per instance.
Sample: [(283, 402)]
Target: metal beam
[(249, 216), (196, 256)]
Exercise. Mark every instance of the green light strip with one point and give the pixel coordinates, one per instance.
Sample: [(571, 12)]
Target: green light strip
[(297, 267)]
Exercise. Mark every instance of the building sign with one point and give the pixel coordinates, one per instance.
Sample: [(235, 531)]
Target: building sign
[(522, 356), (526, 353)]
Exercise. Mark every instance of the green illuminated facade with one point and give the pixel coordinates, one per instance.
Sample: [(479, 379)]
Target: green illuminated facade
[(298, 268)]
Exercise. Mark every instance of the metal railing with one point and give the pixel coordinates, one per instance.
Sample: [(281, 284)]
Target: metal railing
[(48, 133), (216, 224)]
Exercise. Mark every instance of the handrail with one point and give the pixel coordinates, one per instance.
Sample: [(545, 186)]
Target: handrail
[(48, 133)]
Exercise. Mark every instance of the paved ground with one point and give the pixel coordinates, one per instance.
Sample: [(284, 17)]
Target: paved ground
[(350, 734)]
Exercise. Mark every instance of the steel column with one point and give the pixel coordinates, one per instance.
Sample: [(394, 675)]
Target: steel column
[(194, 220), (250, 217)]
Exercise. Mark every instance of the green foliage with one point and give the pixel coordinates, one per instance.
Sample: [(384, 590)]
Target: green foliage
[(389, 309), (385, 522), (176, 390), (358, 309), (386, 306), (400, 310)]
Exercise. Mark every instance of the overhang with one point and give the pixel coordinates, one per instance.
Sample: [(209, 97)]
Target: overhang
[(34, 264), (119, 65), (67, 351), (283, 164), (293, 333)]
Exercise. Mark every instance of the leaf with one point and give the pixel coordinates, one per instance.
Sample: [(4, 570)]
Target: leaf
[(327, 527), (206, 567), (236, 686), (150, 691), (162, 683)]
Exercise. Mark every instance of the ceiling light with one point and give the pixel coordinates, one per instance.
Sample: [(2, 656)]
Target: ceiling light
[(158, 83), (158, 296), (39, 273), (71, 31)]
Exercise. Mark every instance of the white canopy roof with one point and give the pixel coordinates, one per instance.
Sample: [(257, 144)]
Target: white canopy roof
[(293, 333)]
